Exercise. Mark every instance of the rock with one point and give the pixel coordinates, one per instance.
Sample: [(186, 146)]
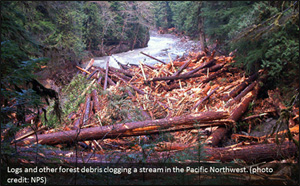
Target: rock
[(266, 128)]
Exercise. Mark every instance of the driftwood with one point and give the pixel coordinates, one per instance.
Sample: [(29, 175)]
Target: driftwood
[(29, 134), (239, 110), (151, 67), (153, 58), (200, 67), (293, 130), (136, 89), (205, 98), (92, 74), (99, 80), (86, 109), (242, 94), (184, 76), (126, 72), (95, 99), (217, 135), (215, 74), (91, 113), (106, 74), (250, 153), (111, 82), (119, 129), (119, 75), (83, 70), (79, 114), (89, 65), (253, 153), (239, 88), (182, 68)]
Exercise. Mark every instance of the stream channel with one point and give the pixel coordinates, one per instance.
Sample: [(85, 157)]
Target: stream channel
[(159, 46)]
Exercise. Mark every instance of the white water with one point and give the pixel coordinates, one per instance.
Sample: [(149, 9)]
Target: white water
[(159, 46)]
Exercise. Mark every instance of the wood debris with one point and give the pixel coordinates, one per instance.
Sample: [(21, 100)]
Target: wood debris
[(192, 93)]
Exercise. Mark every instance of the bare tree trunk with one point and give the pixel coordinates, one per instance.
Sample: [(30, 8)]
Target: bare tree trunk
[(201, 28), (123, 128)]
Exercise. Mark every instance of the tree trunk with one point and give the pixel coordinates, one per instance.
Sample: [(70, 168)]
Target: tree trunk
[(201, 28), (95, 99), (154, 58), (235, 115), (120, 129), (239, 88), (106, 74), (253, 153), (217, 135), (187, 76)]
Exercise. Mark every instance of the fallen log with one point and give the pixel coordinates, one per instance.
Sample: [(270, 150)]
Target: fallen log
[(242, 94), (91, 113), (239, 88), (183, 76), (99, 80), (89, 65), (207, 64), (205, 98), (32, 132), (154, 58), (95, 99), (86, 110), (117, 77), (215, 74), (137, 89), (83, 70), (182, 68), (106, 74), (157, 130), (119, 129), (111, 82), (91, 75), (151, 67), (123, 76), (253, 153), (79, 115), (217, 135), (293, 130), (250, 153), (126, 72)]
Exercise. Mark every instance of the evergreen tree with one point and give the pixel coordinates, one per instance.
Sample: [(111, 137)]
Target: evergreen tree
[(162, 14)]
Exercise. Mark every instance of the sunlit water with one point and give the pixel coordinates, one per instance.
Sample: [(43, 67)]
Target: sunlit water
[(159, 46)]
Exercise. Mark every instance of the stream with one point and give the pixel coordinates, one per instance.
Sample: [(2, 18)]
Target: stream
[(160, 46)]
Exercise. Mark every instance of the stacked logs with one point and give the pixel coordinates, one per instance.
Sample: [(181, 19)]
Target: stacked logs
[(197, 91)]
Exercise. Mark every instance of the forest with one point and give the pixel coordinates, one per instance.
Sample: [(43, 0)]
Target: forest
[(234, 99)]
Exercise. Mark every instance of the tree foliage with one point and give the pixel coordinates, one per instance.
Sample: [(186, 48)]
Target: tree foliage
[(265, 34), (38, 33)]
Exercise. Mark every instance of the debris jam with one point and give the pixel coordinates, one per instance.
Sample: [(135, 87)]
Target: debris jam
[(154, 112)]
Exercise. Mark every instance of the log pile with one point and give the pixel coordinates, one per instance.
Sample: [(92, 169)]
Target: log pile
[(200, 97)]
